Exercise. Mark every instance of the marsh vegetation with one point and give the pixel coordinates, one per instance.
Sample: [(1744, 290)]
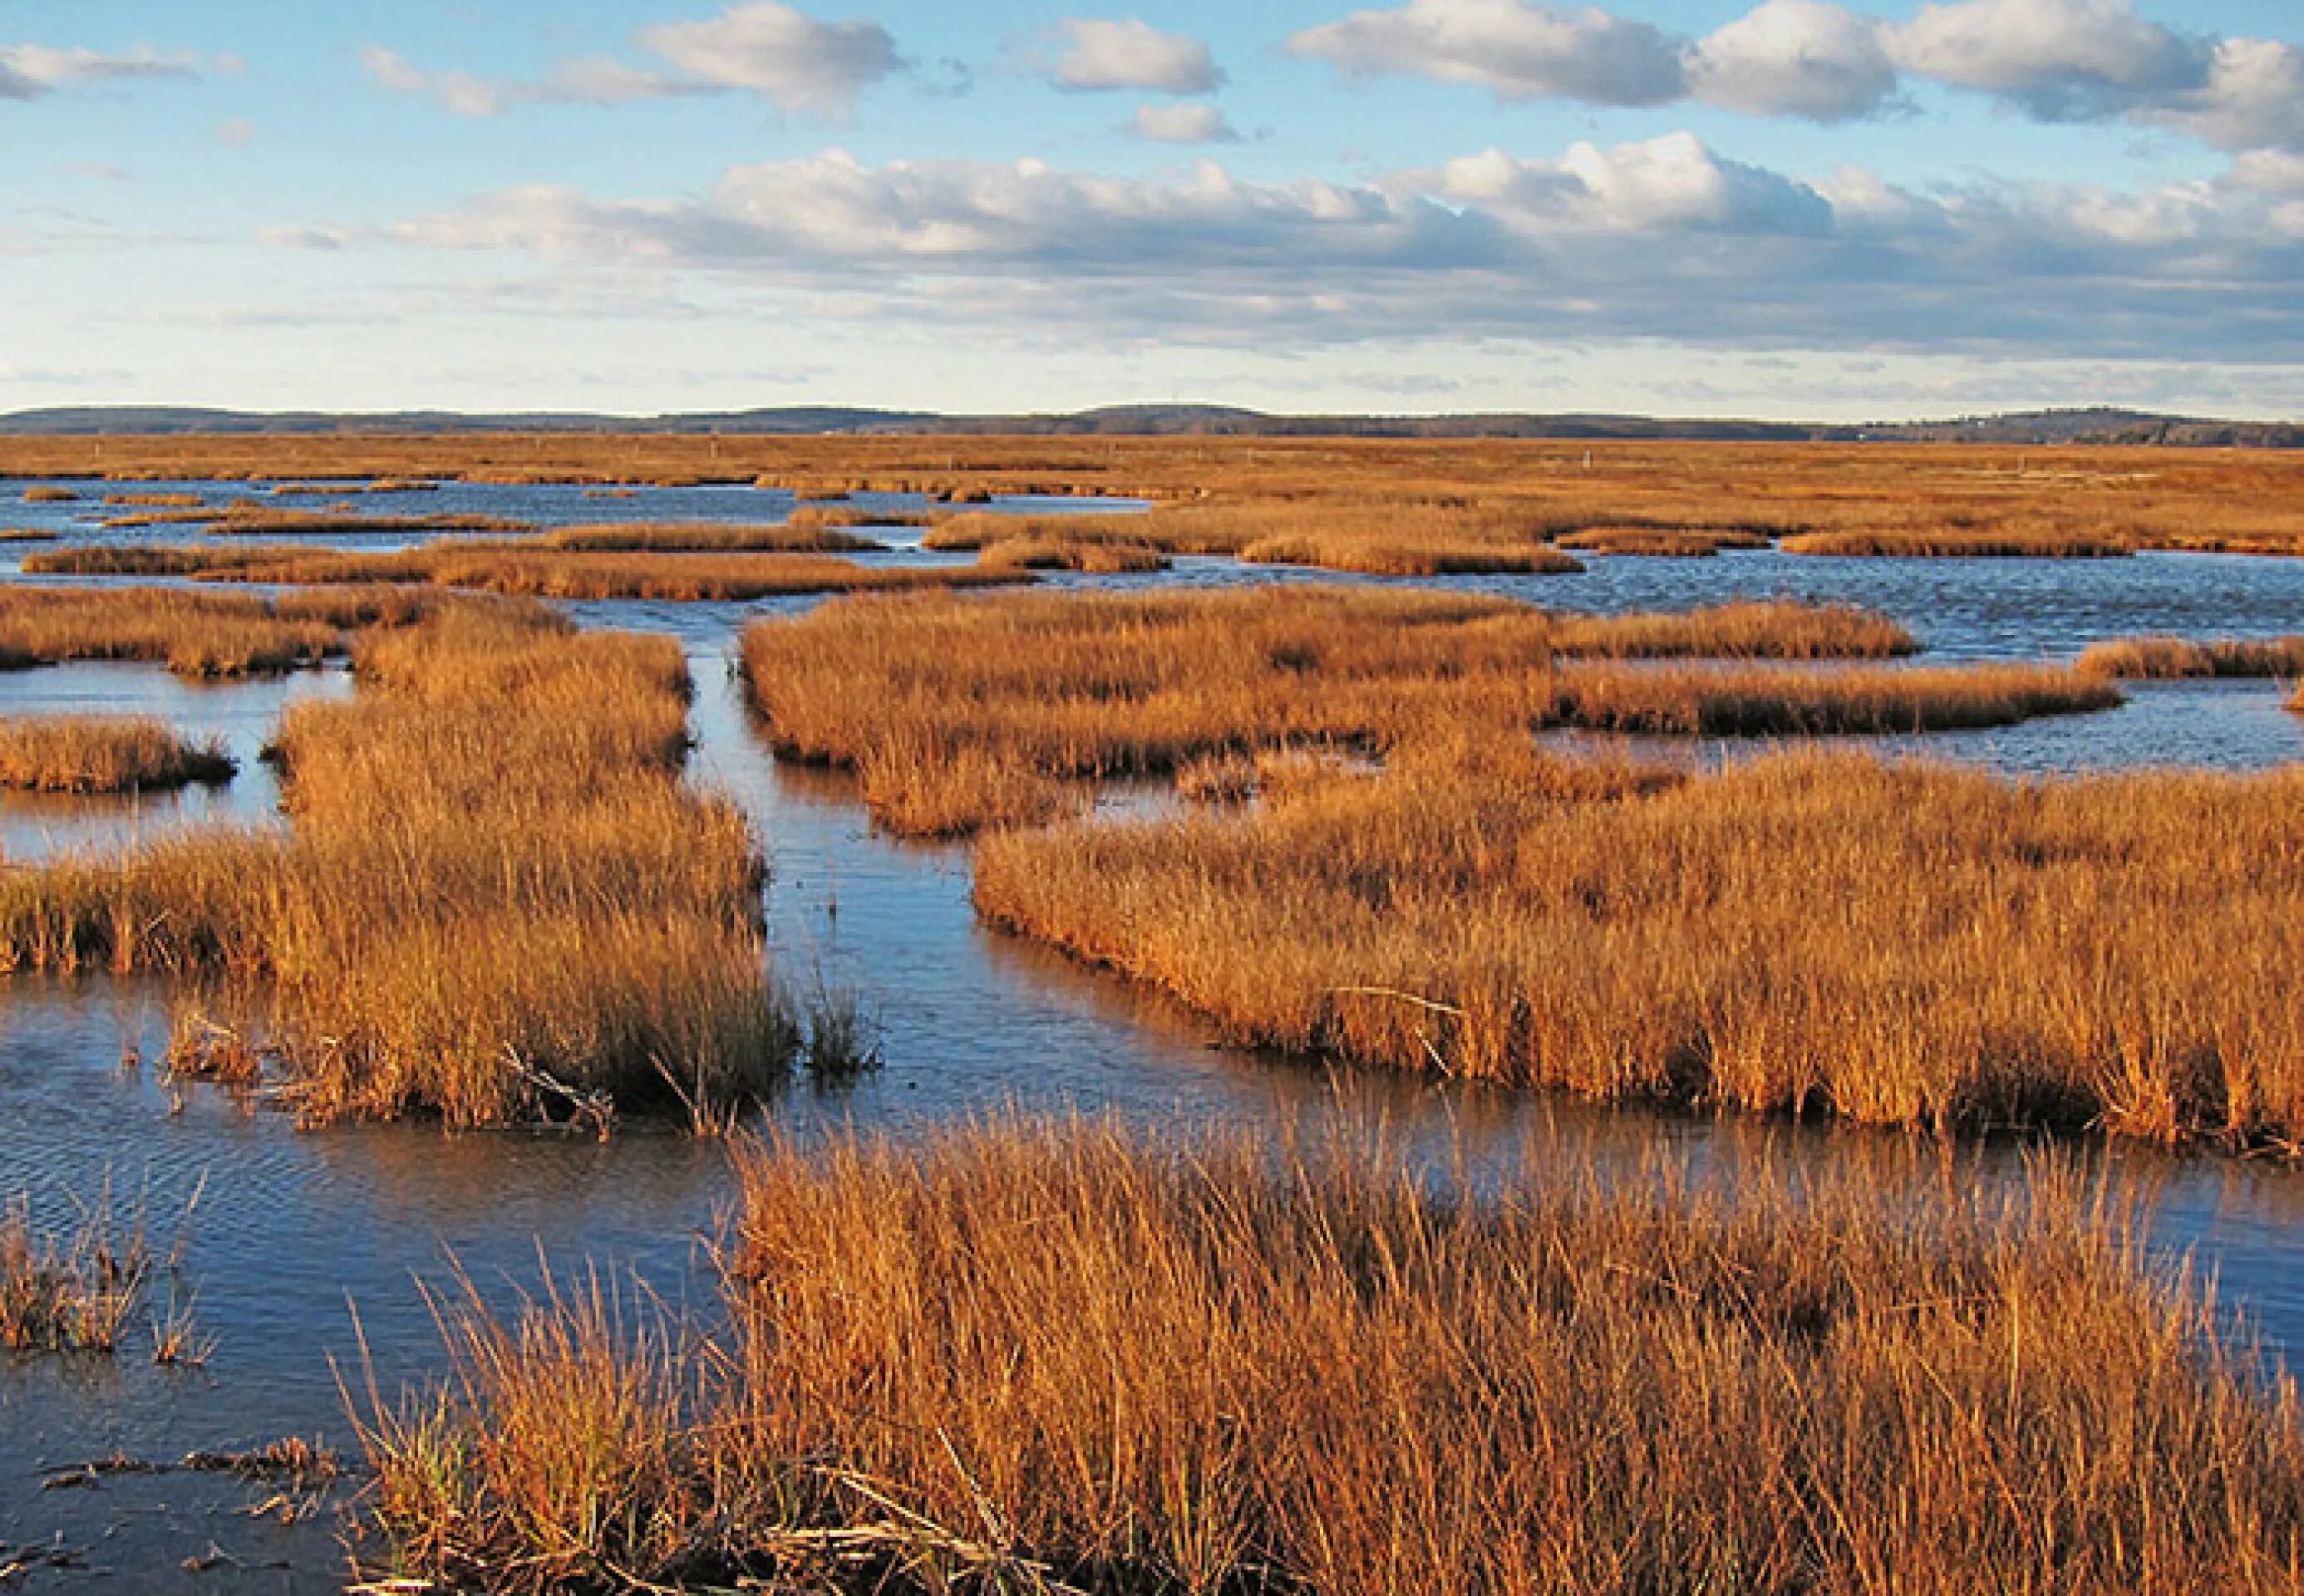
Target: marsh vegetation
[(1050, 1355)]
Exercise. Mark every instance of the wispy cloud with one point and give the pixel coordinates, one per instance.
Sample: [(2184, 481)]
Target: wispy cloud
[(29, 72), (786, 57)]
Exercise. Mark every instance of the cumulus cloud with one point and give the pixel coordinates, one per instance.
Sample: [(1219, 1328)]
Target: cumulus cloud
[(773, 50), (1519, 49), (764, 48), (1795, 58), (1088, 54), (1663, 239), (2053, 59), (1182, 124), (2060, 60), (29, 72)]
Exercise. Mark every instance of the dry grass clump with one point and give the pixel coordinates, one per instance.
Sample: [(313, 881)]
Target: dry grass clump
[(1807, 933), (2172, 658), (519, 569), (154, 501), (197, 635), (82, 754), (246, 518), (1662, 542), (1041, 1357), (957, 715), (1097, 557), (29, 534), (498, 901), (1767, 703), (797, 536), (50, 496), (1409, 553), (2021, 543)]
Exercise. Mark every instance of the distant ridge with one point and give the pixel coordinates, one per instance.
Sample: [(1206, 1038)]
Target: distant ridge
[(2097, 425)]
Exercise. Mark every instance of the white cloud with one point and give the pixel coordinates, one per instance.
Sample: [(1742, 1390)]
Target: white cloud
[(1519, 49), (1669, 185), (2060, 60), (29, 72), (1182, 124), (1660, 240), (764, 48), (781, 54), (1132, 55), (1795, 58), (2054, 60)]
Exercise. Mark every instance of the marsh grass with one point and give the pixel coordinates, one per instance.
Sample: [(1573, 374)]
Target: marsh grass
[(2172, 658), (1661, 542), (1097, 556), (1033, 1356), (1809, 933), (496, 903), (511, 568), (50, 495), (958, 714), (83, 753), (1224, 492), (2005, 542), (809, 536), (196, 635)]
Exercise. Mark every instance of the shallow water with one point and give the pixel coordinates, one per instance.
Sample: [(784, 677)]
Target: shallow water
[(293, 1228)]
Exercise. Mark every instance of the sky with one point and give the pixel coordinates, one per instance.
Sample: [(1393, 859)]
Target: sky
[(1784, 209)]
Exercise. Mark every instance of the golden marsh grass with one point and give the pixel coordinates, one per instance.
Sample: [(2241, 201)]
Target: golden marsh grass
[(958, 714), (2174, 658), (516, 569), (86, 753), (1035, 1356), (1809, 933), (496, 901)]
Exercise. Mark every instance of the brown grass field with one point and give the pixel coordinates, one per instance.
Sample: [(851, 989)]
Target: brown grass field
[(2174, 658), (806, 535), (1039, 1357), (1661, 542), (498, 901), (1960, 543), (1811, 933), (960, 714), (196, 635), (2228, 500), (86, 754), (524, 570)]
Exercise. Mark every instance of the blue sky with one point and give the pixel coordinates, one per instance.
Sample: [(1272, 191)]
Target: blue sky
[(1749, 206)]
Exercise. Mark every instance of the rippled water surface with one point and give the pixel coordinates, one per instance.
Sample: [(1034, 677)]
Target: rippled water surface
[(293, 1231)]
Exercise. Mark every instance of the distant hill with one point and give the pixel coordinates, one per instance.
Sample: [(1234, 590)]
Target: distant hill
[(2099, 425)]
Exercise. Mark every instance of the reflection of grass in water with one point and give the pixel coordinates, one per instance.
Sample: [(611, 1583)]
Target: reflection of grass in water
[(86, 753), (1029, 1353)]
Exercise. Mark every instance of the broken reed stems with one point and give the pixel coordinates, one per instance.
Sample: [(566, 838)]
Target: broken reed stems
[(1043, 1355)]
